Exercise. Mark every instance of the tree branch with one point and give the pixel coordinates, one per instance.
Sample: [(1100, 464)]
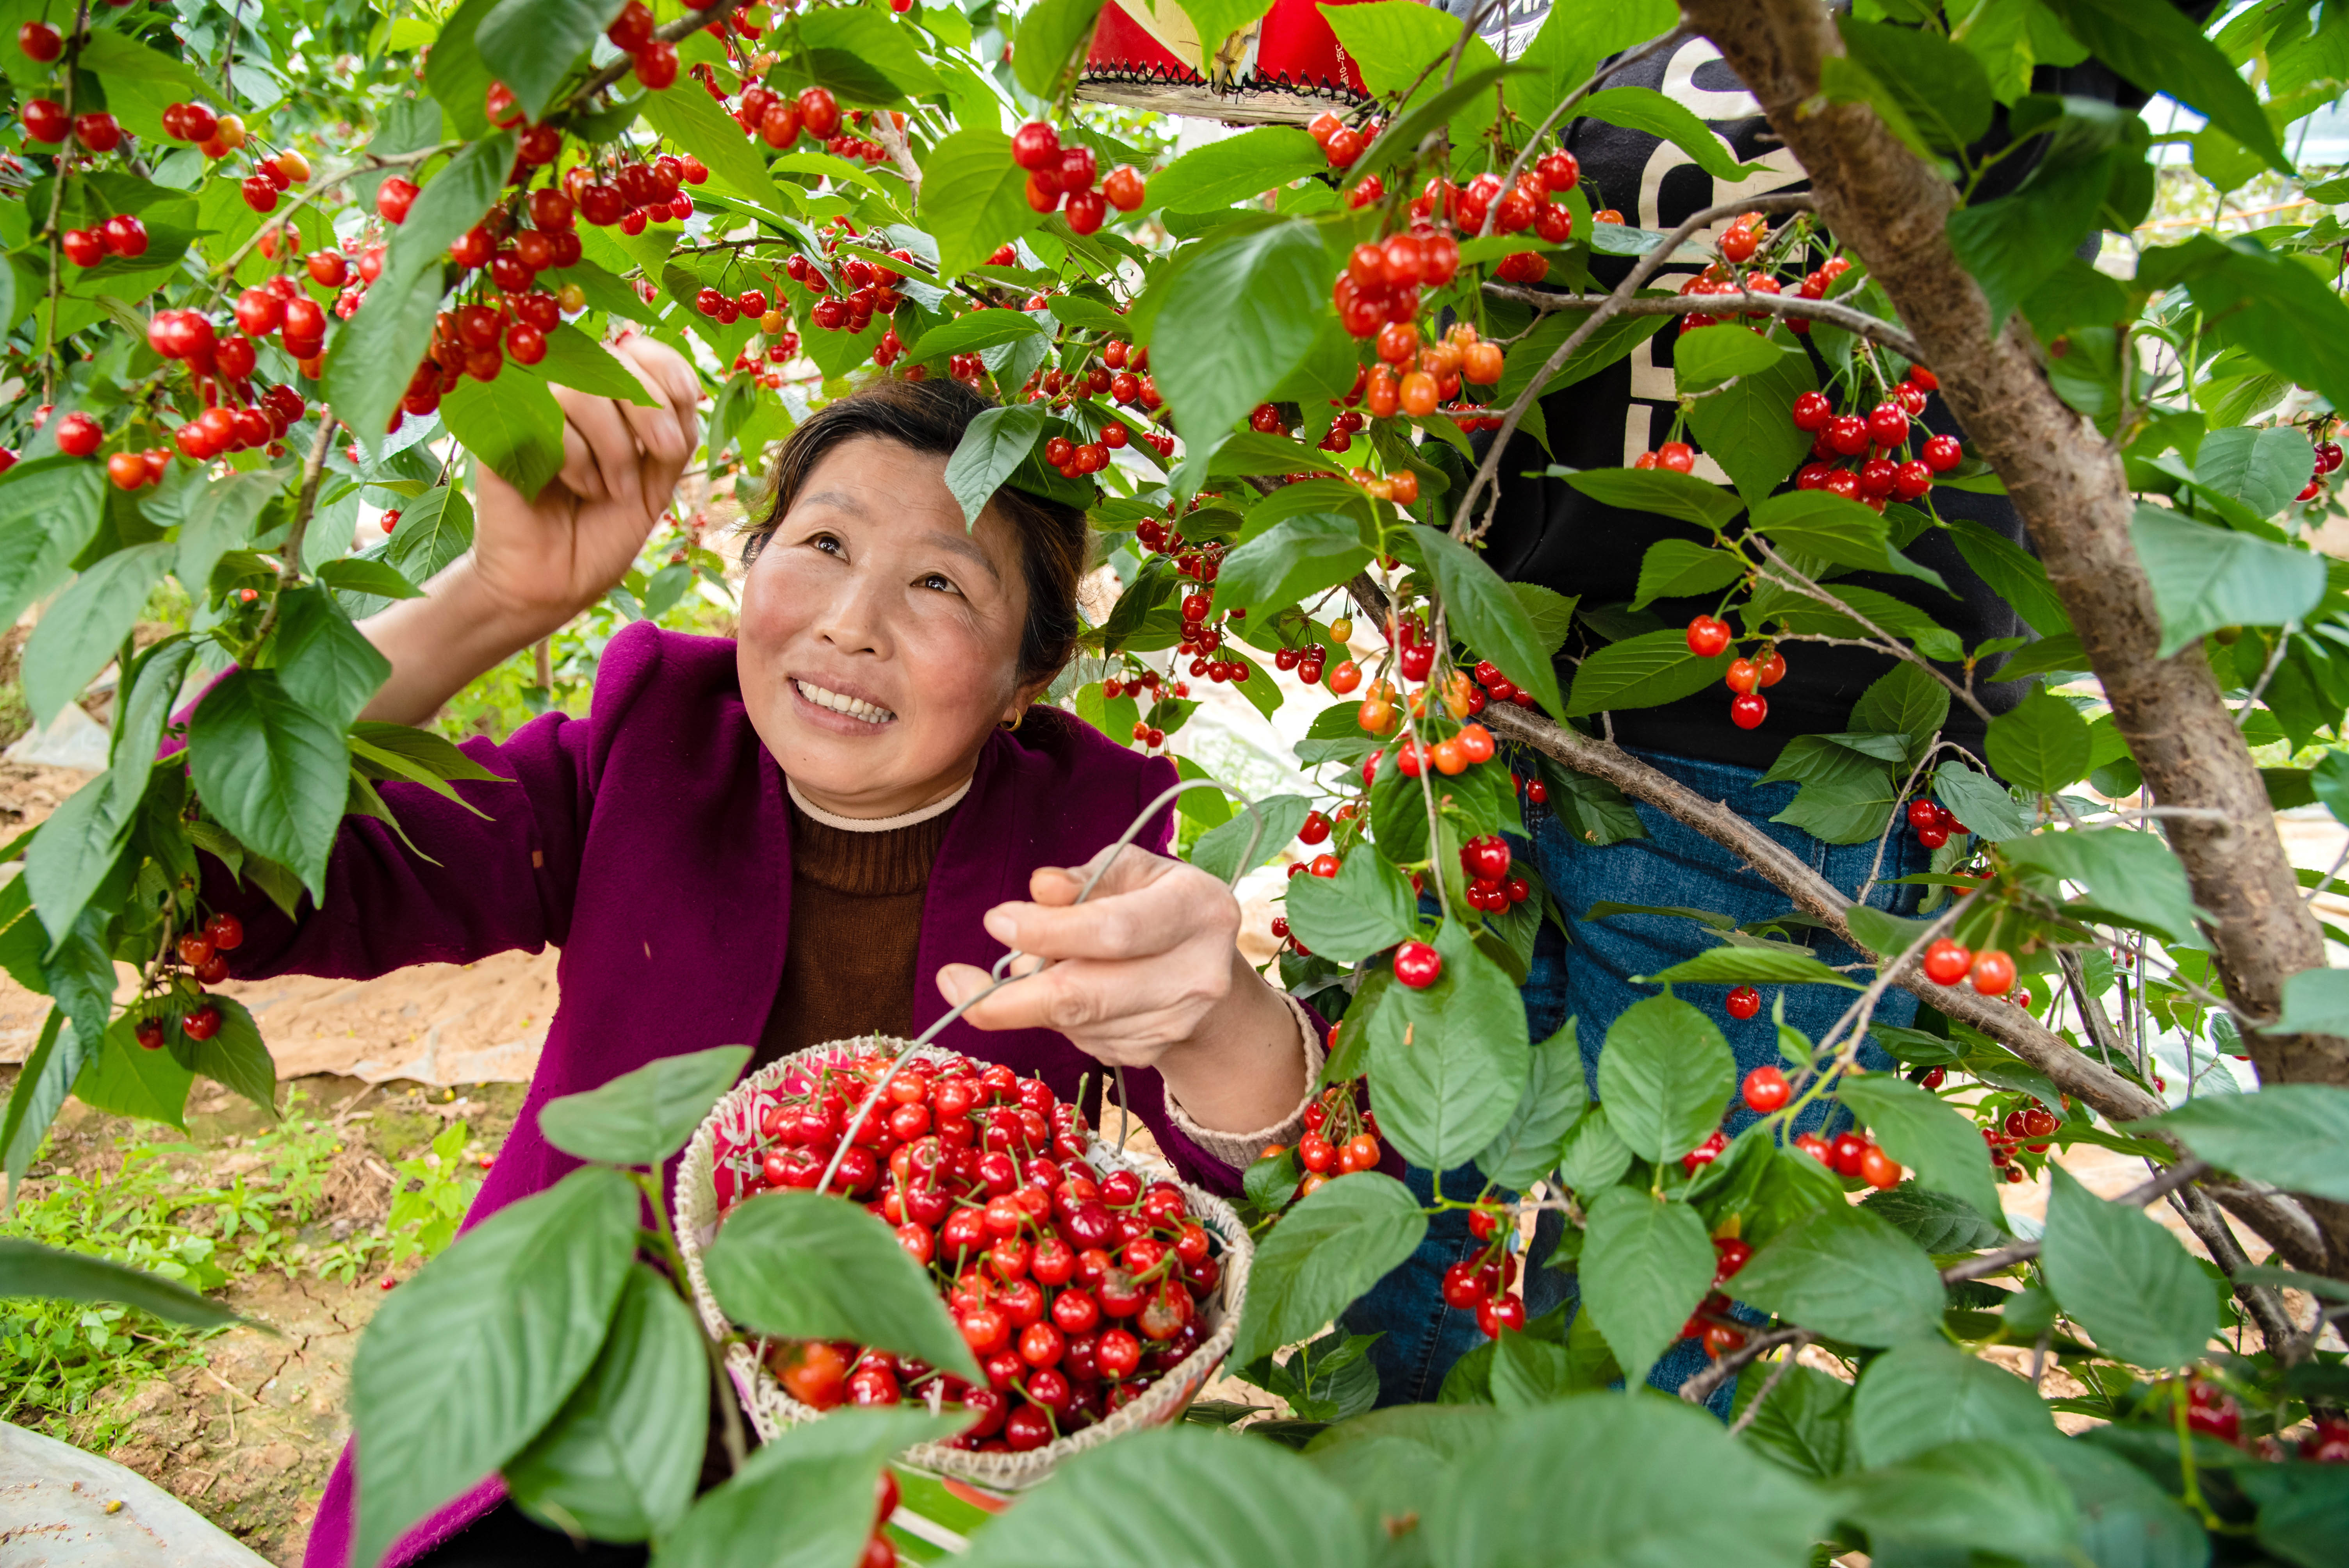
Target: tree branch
[(1858, 323), (685, 26), (1625, 292), (1891, 207)]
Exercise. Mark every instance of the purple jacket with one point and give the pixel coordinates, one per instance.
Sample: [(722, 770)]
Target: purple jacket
[(651, 842)]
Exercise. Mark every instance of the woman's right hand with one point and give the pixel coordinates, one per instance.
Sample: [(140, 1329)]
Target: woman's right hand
[(543, 561), (536, 562)]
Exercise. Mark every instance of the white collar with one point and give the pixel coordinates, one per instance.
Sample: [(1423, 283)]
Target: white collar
[(877, 824)]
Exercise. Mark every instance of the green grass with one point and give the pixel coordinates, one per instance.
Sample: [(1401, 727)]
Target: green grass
[(167, 1209)]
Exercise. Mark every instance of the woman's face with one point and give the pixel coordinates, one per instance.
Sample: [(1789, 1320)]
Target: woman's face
[(880, 638)]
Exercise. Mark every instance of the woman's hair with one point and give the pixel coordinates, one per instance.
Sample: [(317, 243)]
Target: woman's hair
[(931, 416)]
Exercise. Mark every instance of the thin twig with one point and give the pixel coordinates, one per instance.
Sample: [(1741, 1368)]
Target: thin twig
[(1468, 29), (289, 556), (2275, 657), (1893, 826), (1858, 323), (61, 168), (2169, 1180), (318, 188), (1700, 1388), (2342, 860), (1788, 577), (1488, 471)]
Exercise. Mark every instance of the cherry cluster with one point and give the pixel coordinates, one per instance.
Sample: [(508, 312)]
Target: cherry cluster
[(45, 120), (653, 59), (1709, 637), (1145, 683), (863, 288), (121, 235), (1339, 1139), (233, 418), (202, 951), (1059, 175), (1992, 971), (1879, 441), (1492, 885), (1933, 823), (1075, 1289), (1481, 1285), (1711, 1322), (1380, 283), (2328, 461), (1341, 144), (2027, 1127), (1849, 1154)]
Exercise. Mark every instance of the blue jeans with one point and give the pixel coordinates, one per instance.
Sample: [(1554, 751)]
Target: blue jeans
[(1590, 981)]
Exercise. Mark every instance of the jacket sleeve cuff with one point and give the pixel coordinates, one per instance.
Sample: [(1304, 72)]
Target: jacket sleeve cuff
[(1242, 1150)]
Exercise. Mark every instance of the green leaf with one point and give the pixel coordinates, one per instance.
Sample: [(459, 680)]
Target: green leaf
[(50, 508), (1367, 906), (1178, 1494), (974, 198), (81, 634), (619, 1460), (1661, 491), (1771, 964), (2263, 468), (1336, 1244), (128, 1079), (271, 771), (1296, 557), (2296, 1136), (467, 1362), (1904, 701), (1936, 1140), (1554, 1098), (322, 660), (1825, 525), (1986, 1494), (1593, 1157), (1681, 568), (1483, 612), (1238, 317), (1918, 1397), (2165, 51), (864, 54), (818, 1476), (531, 44), (1644, 671), (235, 1056), (2124, 1517), (1549, 611), (2125, 1279), (515, 428), (219, 519), (358, 574), (1646, 1263), (808, 1265), (1615, 338), (644, 1117), (2129, 873), (370, 359), (1447, 1061), (975, 330), (1849, 1274), (1938, 86), (1711, 354), (1664, 1077), (1218, 173), (1050, 36), (1645, 108), (995, 444), (1806, 1424), (2040, 744), (1977, 801), (432, 533), (1610, 1480), (577, 361), (2206, 577), (2012, 574), (27, 1269), (1746, 428), (1219, 850), (1934, 1221)]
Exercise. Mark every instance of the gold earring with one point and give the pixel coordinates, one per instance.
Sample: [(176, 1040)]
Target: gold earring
[(1012, 723)]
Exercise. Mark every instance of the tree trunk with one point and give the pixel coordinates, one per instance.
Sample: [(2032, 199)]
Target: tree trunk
[(1888, 205)]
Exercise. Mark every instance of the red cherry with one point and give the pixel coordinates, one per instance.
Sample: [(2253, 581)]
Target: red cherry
[(1993, 973), (82, 247), (1942, 453), (45, 120), (1947, 962), (1707, 637), (655, 63), (1846, 1152), (1767, 1090), (1748, 709), (1812, 411), (40, 42), (1887, 423), (78, 435), (1744, 1002), (203, 1024), (1417, 965), (1879, 1169)]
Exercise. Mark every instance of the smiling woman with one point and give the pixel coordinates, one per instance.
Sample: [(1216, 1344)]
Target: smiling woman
[(824, 828)]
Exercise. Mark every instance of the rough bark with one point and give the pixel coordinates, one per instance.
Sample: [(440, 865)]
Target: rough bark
[(1888, 205)]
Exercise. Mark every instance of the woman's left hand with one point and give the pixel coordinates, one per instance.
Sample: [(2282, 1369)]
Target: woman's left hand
[(1147, 972)]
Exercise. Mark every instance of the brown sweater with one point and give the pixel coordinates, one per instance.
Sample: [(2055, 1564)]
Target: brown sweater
[(856, 924)]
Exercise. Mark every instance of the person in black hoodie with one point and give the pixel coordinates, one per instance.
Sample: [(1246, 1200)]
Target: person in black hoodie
[(1549, 533)]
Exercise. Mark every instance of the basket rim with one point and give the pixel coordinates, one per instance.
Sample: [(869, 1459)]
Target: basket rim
[(694, 1201)]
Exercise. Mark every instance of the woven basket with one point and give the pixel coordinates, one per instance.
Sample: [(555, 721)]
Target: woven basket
[(719, 1164)]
